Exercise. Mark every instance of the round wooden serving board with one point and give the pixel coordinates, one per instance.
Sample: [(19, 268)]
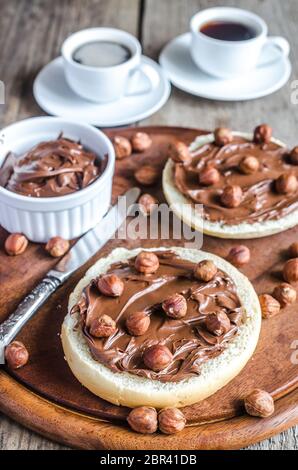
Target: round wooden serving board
[(46, 397)]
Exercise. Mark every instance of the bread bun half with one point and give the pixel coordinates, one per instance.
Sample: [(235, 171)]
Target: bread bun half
[(131, 390), (185, 211)]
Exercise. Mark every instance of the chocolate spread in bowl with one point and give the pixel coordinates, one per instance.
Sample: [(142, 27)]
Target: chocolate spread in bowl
[(188, 339), (52, 168), (260, 202)]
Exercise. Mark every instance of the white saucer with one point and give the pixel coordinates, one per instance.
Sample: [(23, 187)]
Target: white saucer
[(55, 97), (176, 61)]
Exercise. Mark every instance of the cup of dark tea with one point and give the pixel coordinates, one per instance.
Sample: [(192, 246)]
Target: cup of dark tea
[(104, 64), (228, 42)]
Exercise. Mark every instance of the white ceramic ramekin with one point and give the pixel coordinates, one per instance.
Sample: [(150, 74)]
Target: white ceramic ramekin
[(67, 216)]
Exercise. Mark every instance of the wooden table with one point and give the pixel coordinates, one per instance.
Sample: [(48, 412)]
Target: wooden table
[(31, 34)]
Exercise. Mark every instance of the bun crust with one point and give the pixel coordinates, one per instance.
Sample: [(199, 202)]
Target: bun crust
[(184, 210), (130, 390)]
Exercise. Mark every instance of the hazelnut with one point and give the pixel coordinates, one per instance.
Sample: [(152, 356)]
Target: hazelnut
[(147, 203), (103, 327), (294, 156), (147, 262), (179, 152), (57, 247), (249, 165), (141, 141), (286, 183), (290, 270), (223, 136), (171, 420), (137, 323), (259, 403), (147, 175), (231, 196), (205, 270), (217, 323), (175, 306), (16, 355), (110, 285), (122, 147), (269, 305), (143, 420), (239, 255), (209, 176), (157, 357), (262, 134), (15, 244), (285, 294), (293, 250)]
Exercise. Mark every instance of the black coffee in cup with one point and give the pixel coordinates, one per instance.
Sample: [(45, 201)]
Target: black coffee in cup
[(228, 31), (101, 54)]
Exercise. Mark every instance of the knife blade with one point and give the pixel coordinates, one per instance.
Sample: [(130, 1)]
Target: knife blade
[(77, 256)]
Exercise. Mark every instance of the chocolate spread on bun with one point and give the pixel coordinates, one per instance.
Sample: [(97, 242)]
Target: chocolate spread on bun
[(169, 318), (50, 169), (240, 180)]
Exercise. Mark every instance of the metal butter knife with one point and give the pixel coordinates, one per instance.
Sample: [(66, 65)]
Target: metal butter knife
[(78, 255)]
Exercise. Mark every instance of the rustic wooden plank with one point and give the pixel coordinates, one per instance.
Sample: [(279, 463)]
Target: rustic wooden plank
[(31, 34), (171, 18)]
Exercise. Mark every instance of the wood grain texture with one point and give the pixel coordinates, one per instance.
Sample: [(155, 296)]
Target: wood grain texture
[(31, 34)]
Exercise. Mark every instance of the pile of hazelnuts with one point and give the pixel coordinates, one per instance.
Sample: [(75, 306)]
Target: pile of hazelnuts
[(283, 294), (232, 195)]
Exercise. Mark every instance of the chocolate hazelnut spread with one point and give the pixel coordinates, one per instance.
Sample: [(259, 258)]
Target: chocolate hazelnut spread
[(188, 338), (260, 199), (52, 168)]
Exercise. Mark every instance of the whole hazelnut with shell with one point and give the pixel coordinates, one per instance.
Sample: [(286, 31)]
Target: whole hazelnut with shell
[(286, 183), (141, 141), (209, 176), (122, 147), (175, 306), (147, 175), (147, 203), (143, 420), (259, 403), (137, 323), (231, 196), (222, 136), (103, 327), (249, 165), (157, 357), (290, 270), (16, 355), (239, 255), (262, 134), (269, 305), (205, 270), (110, 285), (171, 420), (179, 152), (146, 262), (57, 246), (15, 244), (285, 294)]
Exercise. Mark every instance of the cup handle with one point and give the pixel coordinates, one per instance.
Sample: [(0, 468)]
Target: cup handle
[(280, 45), (137, 75)]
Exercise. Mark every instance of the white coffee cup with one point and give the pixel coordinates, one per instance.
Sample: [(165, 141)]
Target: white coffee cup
[(104, 84), (227, 59)]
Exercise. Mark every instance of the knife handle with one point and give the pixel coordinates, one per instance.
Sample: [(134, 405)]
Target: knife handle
[(14, 323)]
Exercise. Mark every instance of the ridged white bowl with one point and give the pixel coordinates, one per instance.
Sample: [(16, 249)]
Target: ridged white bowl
[(67, 216)]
